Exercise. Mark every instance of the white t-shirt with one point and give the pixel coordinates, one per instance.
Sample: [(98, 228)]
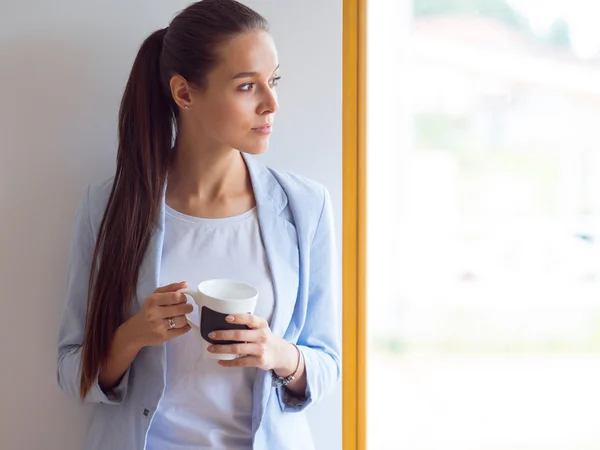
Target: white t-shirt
[(206, 405)]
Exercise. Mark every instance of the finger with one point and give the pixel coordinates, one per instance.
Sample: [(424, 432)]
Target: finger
[(237, 349), (247, 319), (238, 335), (175, 310), (175, 332), (178, 321), (170, 298), (244, 361), (173, 287)]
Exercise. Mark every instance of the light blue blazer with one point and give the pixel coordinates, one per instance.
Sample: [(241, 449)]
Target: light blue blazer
[(296, 223)]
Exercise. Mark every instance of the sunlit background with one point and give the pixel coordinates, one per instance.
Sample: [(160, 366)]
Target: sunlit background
[(483, 225)]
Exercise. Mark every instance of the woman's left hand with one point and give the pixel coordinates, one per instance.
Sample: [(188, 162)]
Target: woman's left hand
[(262, 348)]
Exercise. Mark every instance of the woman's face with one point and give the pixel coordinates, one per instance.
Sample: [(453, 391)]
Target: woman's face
[(238, 106)]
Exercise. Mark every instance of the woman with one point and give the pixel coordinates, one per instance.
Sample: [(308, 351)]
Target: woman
[(200, 99)]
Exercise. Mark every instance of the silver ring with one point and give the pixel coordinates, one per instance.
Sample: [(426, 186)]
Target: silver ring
[(171, 323)]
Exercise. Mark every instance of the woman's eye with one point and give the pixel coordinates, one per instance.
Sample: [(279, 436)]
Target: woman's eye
[(248, 86), (275, 81)]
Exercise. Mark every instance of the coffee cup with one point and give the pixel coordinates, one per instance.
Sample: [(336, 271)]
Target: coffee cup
[(216, 299)]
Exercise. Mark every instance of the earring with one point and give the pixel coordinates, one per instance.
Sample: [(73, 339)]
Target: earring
[(186, 107)]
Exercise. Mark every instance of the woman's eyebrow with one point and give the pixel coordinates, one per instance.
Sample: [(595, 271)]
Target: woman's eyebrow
[(250, 74)]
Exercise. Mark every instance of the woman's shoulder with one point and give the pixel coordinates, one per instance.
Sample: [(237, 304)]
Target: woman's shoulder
[(301, 189), (97, 196), (99, 191), (308, 200)]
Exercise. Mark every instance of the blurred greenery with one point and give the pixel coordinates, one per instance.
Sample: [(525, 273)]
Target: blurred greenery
[(558, 34), (438, 130), (500, 10), (450, 338), (497, 9), (394, 345), (477, 163), (518, 167)]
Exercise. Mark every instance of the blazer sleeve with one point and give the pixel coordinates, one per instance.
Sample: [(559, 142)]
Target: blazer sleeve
[(74, 314), (319, 340)]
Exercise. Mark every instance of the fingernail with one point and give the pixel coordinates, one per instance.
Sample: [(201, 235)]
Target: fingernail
[(211, 348), (212, 335), (229, 318)]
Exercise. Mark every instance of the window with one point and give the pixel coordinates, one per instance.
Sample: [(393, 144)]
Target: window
[(483, 290)]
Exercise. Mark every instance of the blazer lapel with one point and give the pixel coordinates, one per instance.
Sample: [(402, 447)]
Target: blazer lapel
[(281, 247), (280, 242)]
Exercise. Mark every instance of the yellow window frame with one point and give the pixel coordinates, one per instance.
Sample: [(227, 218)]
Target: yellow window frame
[(354, 225)]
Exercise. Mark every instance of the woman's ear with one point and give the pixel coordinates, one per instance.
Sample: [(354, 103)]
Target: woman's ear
[(180, 90)]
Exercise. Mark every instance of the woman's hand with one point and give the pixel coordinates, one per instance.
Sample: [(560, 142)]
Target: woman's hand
[(151, 325), (262, 348)]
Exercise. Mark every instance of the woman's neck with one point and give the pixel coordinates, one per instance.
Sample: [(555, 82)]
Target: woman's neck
[(209, 182)]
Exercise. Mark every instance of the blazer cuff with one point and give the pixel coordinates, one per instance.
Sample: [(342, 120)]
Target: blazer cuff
[(113, 396), (288, 400)]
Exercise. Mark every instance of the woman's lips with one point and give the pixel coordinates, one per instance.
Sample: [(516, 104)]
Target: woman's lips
[(263, 129)]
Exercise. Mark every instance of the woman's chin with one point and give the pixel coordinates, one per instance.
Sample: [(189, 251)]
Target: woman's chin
[(255, 149)]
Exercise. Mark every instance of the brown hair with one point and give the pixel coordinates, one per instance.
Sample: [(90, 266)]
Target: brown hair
[(148, 119)]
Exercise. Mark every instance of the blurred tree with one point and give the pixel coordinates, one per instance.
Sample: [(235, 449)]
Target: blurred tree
[(497, 9), (559, 33), (501, 10)]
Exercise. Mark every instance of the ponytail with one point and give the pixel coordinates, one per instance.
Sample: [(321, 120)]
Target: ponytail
[(146, 126)]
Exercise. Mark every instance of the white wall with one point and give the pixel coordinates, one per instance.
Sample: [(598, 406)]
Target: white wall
[(63, 65)]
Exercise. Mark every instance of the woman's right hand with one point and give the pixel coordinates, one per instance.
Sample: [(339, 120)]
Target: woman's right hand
[(150, 326)]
